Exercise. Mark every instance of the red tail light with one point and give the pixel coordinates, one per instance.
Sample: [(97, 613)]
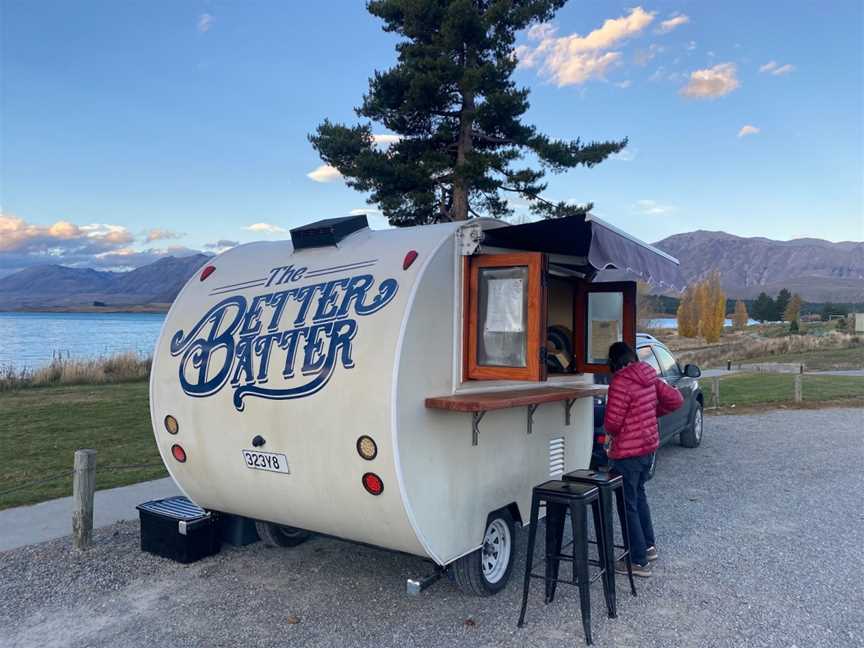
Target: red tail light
[(179, 453), (373, 484), (409, 259), (601, 439), (206, 272)]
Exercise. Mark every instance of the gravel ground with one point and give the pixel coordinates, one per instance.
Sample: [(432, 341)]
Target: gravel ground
[(760, 532)]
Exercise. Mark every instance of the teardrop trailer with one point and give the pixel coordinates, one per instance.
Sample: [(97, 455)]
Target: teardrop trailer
[(403, 388)]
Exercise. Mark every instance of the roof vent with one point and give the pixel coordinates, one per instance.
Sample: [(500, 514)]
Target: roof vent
[(326, 232)]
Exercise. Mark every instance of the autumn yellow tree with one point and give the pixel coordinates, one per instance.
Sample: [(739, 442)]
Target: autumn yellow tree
[(741, 316), (688, 313), (793, 309), (711, 307)]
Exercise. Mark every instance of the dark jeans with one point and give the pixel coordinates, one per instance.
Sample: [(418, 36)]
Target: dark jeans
[(634, 470)]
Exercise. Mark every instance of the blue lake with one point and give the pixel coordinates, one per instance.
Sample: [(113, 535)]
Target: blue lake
[(31, 339)]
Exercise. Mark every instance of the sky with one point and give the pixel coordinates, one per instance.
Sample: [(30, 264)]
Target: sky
[(132, 130)]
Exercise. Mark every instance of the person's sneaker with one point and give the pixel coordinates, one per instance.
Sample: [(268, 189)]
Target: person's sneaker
[(642, 571), (651, 553)]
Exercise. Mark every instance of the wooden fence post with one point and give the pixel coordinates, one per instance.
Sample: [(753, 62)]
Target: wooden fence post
[(798, 388), (715, 391), (83, 487)]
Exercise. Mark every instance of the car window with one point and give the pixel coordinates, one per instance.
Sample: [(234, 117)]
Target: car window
[(667, 362), (645, 355)]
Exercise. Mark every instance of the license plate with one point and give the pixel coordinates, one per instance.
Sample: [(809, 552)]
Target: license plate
[(266, 461)]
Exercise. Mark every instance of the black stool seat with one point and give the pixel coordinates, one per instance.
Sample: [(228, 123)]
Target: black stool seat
[(610, 484), (559, 497)]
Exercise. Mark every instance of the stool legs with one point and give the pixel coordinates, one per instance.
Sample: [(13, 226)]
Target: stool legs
[(622, 516), (532, 536), (555, 518), (580, 565), (605, 553)]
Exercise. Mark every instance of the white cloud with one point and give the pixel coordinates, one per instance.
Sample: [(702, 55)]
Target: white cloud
[(627, 155), (624, 84), (747, 130), (386, 138), (690, 46), (712, 82), (653, 208), (159, 234), (221, 245), (325, 173), (269, 228), (376, 220), (772, 67), (676, 21), (574, 59), (205, 22)]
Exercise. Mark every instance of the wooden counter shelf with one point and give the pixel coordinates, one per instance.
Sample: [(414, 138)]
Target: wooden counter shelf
[(480, 403)]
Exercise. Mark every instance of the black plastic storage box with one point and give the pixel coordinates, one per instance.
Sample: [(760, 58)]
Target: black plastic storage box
[(176, 528)]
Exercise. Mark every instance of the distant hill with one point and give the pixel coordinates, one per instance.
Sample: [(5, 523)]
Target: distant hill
[(55, 286), (820, 271)]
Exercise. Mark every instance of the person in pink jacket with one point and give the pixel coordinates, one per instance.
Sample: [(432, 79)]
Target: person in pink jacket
[(636, 399)]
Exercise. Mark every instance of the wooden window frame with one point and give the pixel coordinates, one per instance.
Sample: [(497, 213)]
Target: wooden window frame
[(535, 366), (580, 328)]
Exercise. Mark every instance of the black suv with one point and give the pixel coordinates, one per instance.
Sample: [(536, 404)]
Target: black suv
[(686, 422)]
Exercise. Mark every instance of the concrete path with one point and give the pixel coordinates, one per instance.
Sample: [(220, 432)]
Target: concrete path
[(26, 525)]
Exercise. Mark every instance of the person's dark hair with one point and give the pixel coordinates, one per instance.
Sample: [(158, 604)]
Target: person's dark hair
[(621, 355)]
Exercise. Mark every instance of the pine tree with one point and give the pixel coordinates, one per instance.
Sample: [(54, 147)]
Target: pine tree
[(764, 309), (458, 115), (781, 303), (741, 317)]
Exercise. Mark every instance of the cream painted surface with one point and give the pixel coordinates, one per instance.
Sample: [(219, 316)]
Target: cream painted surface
[(450, 485), (317, 433)]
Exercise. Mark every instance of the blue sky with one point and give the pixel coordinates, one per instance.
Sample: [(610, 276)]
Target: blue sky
[(185, 123)]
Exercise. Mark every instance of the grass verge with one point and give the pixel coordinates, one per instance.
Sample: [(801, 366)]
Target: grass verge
[(40, 429), (745, 390), (824, 360)]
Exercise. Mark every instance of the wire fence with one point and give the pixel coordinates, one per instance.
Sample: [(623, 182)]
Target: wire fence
[(69, 473)]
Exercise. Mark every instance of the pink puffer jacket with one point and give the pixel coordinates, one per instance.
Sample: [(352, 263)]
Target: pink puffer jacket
[(636, 398)]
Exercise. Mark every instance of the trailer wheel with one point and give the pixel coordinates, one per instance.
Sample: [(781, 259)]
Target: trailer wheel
[(276, 535), (485, 572)]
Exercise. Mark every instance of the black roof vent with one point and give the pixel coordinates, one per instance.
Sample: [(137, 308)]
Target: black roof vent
[(326, 232)]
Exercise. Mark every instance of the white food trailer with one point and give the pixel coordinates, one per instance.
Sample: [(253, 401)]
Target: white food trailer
[(404, 388)]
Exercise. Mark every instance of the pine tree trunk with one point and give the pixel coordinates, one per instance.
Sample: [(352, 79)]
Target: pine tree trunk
[(464, 145)]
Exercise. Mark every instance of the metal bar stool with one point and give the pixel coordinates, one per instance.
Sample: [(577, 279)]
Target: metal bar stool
[(609, 483), (560, 497)]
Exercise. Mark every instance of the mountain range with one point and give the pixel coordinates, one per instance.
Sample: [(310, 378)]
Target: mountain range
[(818, 270)]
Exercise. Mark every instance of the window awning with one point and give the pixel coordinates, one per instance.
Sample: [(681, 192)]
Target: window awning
[(606, 253)]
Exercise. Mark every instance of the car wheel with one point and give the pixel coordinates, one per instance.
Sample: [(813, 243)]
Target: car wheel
[(485, 572), (692, 436), (276, 535)]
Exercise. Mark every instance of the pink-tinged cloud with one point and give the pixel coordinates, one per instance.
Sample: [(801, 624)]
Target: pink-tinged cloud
[(159, 234), (713, 82)]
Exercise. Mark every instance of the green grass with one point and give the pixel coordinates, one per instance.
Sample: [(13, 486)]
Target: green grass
[(822, 360), (757, 389), (40, 428)]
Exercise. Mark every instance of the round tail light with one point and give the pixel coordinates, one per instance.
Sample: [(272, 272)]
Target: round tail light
[(179, 453), (367, 448), (171, 425), (373, 484)]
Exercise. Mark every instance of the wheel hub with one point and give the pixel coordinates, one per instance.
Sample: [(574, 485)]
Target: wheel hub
[(495, 554)]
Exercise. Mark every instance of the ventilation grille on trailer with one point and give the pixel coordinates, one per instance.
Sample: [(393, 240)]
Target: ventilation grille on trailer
[(556, 457)]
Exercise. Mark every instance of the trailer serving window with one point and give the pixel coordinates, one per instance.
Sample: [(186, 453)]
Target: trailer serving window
[(523, 323)]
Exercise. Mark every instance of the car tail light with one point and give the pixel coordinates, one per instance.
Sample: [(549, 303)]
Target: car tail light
[(179, 453), (373, 484), (409, 259), (601, 439), (206, 272), (171, 425)]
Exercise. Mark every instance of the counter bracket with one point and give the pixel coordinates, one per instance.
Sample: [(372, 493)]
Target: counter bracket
[(568, 405), (531, 409), (476, 417)]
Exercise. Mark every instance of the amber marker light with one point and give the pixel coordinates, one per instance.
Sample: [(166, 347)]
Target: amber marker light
[(171, 425), (367, 448)]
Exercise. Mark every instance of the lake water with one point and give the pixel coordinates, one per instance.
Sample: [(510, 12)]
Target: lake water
[(31, 339), (671, 322)]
